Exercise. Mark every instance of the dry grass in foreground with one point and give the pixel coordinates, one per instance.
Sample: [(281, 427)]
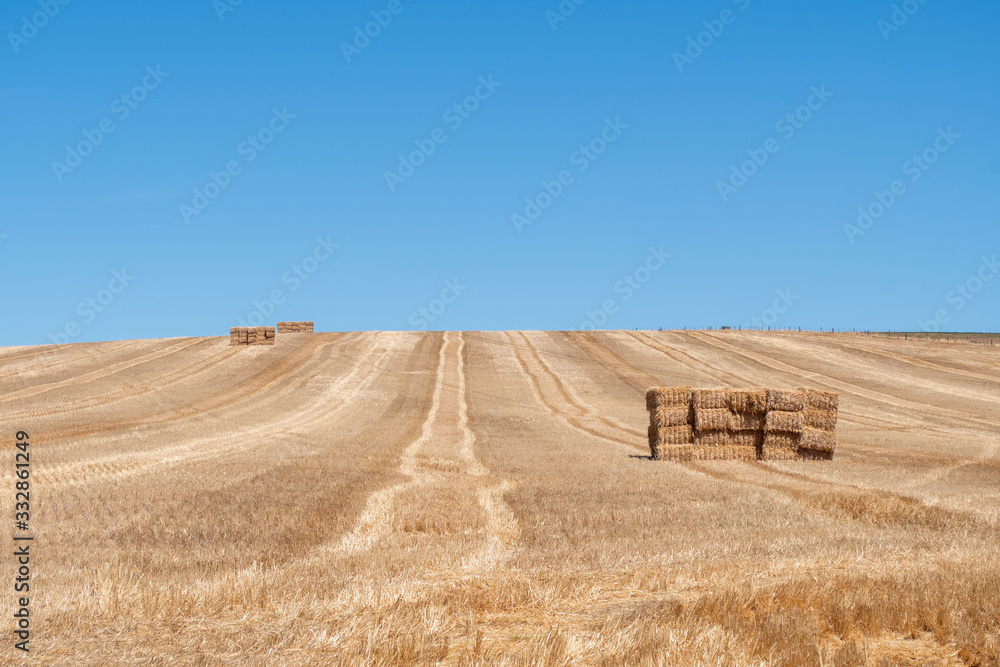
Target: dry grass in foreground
[(488, 499)]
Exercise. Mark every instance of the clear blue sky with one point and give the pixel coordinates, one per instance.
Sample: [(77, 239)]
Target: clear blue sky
[(195, 87)]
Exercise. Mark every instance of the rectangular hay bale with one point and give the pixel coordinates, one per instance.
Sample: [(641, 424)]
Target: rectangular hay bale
[(786, 401), (780, 420), (711, 419), (753, 439), (824, 420), (780, 446), (747, 421), (666, 417), (668, 397), (711, 399), (751, 400), (718, 438), (821, 400), (661, 440), (817, 440), (696, 453)]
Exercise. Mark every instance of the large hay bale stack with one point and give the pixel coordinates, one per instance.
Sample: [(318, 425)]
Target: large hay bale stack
[(688, 424)]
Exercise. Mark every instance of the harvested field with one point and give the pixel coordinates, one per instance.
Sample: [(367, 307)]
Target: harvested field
[(487, 498)]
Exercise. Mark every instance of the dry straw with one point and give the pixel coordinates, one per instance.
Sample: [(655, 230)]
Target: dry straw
[(746, 421), (751, 400), (711, 419), (779, 420), (780, 446), (664, 440), (698, 453), (786, 401), (821, 400), (668, 397), (820, 441), (743, 424), (711, 438), (753, 439), (824, 420), (666, 417), (711, 399)]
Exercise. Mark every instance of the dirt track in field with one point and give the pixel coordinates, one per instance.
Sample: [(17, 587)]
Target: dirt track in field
[(486, 498)]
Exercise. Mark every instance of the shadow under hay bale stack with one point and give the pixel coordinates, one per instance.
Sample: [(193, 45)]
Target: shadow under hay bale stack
[(688, 424)]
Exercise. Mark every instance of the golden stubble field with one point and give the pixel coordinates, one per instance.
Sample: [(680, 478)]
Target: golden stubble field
[(485, 498)]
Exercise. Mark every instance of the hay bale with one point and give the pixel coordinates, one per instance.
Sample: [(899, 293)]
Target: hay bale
[(683, 453), (746, 421), (786, 401), (711, 419), (780, 446), (734, 452), (818, 440), (711, 399), (671, 435), (824, 420), (821, 400), (753, 439), (716, 438), (661, 440), (748, 400), (678, 453), (667, 417), (779, 420), (668, 397)]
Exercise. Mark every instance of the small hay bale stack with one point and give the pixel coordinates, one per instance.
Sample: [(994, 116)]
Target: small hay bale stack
[(296, 327), (669, 422), (238, 336), (265, 335), (688, 424)]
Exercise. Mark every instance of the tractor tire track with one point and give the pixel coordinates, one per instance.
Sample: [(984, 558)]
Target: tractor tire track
[(155, 385), (850, 388), (102, 373), (296, 366), (555, 399), (343, 391)]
